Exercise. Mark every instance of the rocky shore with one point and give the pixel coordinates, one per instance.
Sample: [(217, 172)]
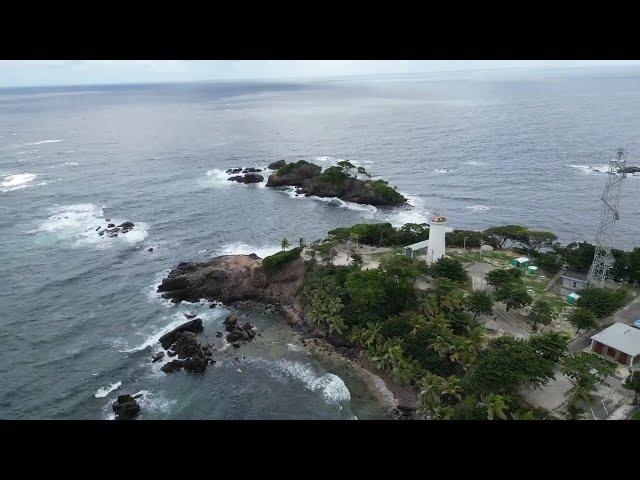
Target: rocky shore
[(240, 278)]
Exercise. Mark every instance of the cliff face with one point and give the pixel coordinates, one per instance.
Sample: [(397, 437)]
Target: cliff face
[(231, 278), (310, 180)]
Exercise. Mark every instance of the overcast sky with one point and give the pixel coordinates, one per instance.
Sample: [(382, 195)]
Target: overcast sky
[(18, 73)]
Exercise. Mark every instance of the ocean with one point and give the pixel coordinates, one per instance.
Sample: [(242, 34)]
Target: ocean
[(79, 315)]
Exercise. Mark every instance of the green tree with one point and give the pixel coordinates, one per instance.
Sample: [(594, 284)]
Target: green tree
[(550, 345), (480, 303), (362, 171), (346, 166), (514, 295), (583, 319), (301, 242), (495, 406), (602, 301), (450, 268), (508, 364), (503, 235), (437, 394), (503, 276), (535, 240), (585, 371), (284, 244), (633, 383), (542, 312)]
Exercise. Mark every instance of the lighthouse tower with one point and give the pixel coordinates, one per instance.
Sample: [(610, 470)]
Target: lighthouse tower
[(437, 229)]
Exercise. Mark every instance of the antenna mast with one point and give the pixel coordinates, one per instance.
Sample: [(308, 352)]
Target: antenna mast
[(603, 259)]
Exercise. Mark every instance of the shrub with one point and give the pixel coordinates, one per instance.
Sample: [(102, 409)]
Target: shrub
[(276, 261), (384, 191), (450, 268), (503, 276), (398, 326)]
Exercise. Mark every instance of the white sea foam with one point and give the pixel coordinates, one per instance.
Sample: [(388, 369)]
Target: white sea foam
[(443, 170), (239, 248), (474, 163), (333, 389), (154, 338), (17, 182), (76, 225), (478, 208), (104, 391), (71, 164), (43, 141), (591, 170), (153, 402)]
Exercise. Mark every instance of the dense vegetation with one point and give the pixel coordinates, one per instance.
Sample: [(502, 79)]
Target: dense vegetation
[(276, 261), (431, 339), (382, 234)]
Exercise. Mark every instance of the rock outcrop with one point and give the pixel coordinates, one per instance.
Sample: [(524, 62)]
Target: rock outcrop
[(247, 178), (183, 343), (238, 332), (193, 326), (309, 179), (113, 230), (276, 165), (125, 407), (230, 278)]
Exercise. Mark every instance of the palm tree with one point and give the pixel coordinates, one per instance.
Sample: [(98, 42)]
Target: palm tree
[(302, 243), (430, 306), (284, 244)]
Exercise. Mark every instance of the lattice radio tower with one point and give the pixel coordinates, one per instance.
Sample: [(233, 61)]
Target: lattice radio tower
[(603, 259)]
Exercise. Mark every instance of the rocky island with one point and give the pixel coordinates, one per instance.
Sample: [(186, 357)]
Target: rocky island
[(336, 181)]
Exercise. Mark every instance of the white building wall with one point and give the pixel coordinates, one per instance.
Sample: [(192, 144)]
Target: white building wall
[(436, 241)]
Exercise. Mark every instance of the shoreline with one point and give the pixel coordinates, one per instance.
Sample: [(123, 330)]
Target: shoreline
[(380, 383)]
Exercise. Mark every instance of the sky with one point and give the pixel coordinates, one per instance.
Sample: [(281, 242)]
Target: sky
[(22, 73)]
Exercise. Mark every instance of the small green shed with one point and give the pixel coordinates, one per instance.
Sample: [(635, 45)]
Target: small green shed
[(520, 262), (572, 298), (532, 270)]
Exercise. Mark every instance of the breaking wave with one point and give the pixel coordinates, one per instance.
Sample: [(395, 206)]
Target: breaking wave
[(239, 248), (76, 225), (17, 182), (104, 391)]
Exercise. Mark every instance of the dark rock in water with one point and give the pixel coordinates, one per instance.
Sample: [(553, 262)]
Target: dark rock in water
[(137, 395), (213, 305), (172, 366), (247, 178), (127, 225), (101, 232), (168, 339), (190, 315), (219, 334), (157, 356), (195, 364), (126, 407), (97, 228), (251, 170), (629, 169), (150, 249), (230, 320), (234, 170), (107, 219), (236, 345), (111, 225), (171, 353), (277, 165)]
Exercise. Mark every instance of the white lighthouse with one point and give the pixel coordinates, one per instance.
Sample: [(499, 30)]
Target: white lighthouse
[(437, 229)]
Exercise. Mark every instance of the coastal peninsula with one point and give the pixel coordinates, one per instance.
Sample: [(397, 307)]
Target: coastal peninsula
[(444, 348)]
